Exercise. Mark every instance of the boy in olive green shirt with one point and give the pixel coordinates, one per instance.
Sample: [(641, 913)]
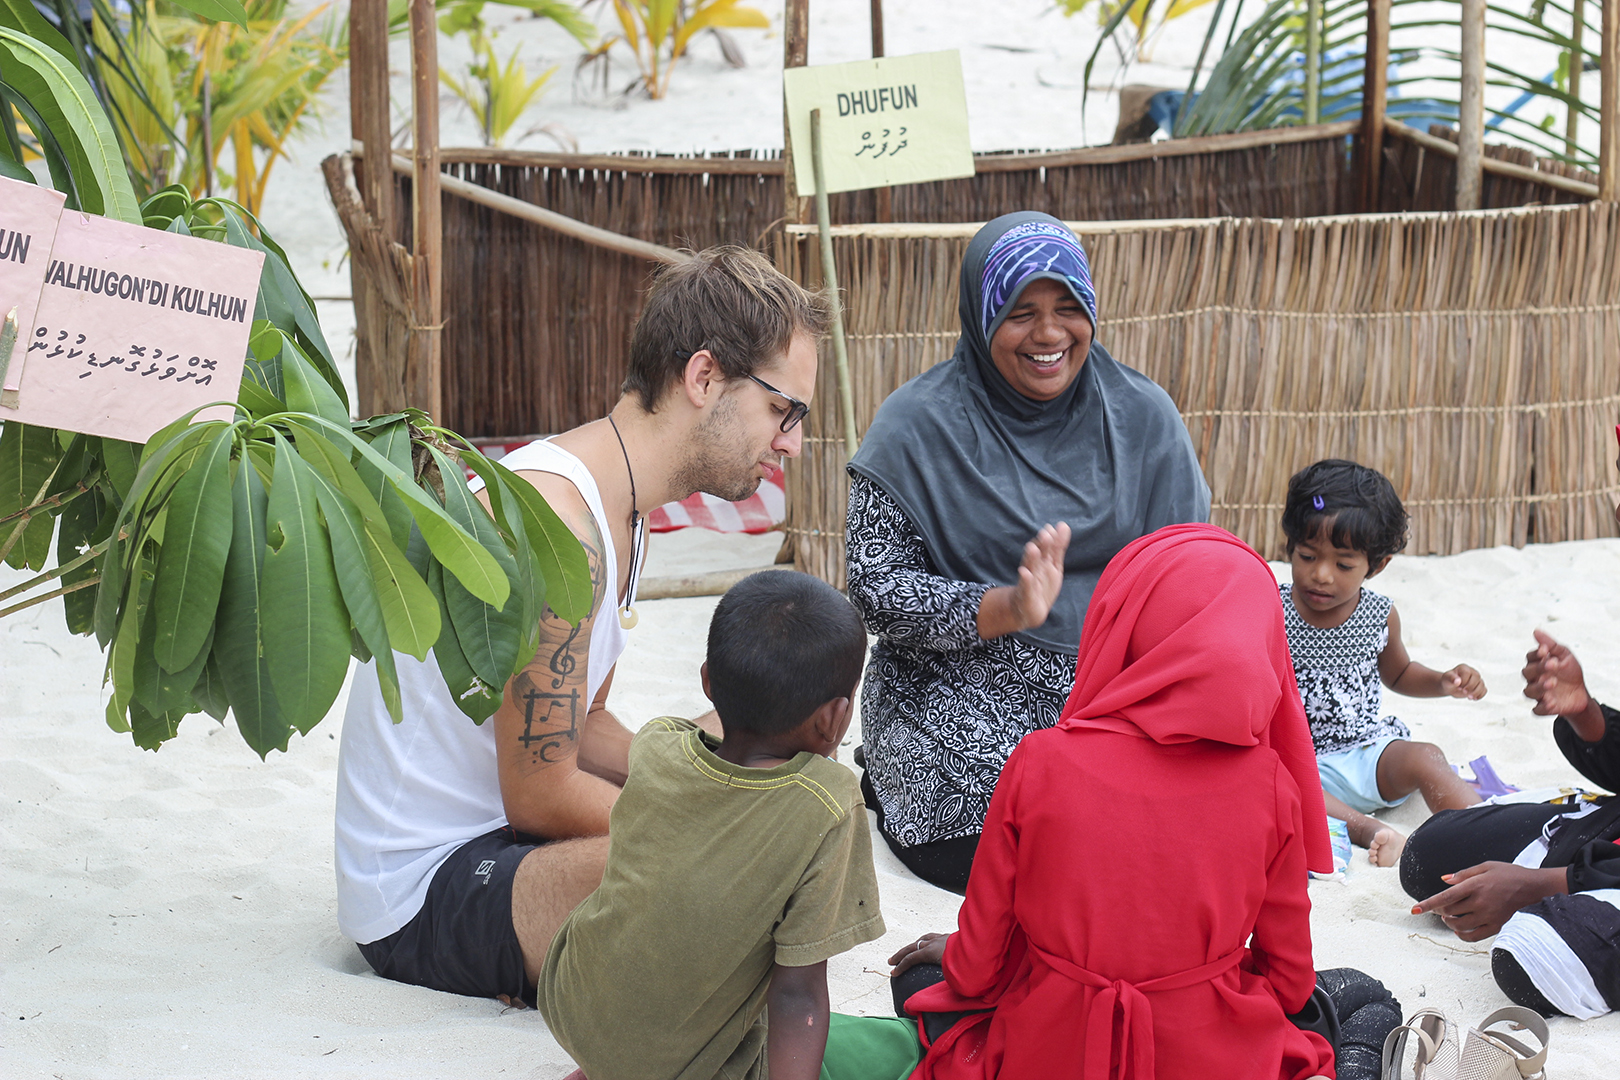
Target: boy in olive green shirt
[(736, 867)]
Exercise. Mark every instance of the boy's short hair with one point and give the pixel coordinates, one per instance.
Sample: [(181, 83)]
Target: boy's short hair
[(1365, 513), (729, 300), (782, 644)]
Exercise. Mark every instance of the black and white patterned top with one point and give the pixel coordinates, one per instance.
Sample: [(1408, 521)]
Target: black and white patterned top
[(1337, 671), (941, 708)]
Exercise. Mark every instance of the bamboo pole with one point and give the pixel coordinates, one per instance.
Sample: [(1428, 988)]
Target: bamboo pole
[(368, 102), (1577, 63), (424, 379), (1313, 61), (1491, 165), (1198, 144), (1471, 115), (1374, 97), (207, 119), (1609, 105), (829, 271), (884, 196), (795, 53), (527, 211)]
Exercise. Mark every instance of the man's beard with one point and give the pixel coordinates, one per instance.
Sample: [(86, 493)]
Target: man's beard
[(718, 461)]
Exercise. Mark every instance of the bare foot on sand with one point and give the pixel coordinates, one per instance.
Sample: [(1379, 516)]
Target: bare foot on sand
[(1386, 847)]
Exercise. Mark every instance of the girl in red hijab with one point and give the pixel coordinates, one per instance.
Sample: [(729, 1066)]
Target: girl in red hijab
[(1138, 908)]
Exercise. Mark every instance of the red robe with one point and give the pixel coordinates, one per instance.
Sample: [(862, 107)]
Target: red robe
[(1138, 904)]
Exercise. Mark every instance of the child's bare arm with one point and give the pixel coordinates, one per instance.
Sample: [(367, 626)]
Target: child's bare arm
[(796, 1004), (1406, 676)]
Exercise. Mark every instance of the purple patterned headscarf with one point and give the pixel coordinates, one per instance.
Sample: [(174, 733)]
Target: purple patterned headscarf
[(1033, 249)]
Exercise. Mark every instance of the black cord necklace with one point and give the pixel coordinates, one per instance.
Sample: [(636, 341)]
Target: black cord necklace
[(627, 614)]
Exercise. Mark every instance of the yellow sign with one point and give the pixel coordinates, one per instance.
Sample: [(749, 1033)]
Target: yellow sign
[(892, 120)]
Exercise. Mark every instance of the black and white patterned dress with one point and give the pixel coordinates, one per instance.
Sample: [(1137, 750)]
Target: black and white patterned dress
[(941, 708), (1337, 671)]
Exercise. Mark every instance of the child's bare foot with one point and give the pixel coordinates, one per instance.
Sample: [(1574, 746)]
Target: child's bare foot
[(1386, 847)]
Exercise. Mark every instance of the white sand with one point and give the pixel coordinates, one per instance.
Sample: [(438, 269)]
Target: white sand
[(173, 914)]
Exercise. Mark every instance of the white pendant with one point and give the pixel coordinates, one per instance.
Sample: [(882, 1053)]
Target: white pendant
[(628, 617)]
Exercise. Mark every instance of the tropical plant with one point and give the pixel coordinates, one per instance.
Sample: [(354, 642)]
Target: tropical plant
[(496, 95), (236, 565), (239, 88), (658, 33), (1145, 18)]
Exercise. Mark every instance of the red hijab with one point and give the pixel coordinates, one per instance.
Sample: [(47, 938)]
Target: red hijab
[(1184, 640)]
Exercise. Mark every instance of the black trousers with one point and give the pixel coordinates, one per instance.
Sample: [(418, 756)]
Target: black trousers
[(1367, 1013), (1454, 840)]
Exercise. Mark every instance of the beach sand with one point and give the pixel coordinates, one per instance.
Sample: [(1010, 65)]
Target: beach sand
[(173, 914)]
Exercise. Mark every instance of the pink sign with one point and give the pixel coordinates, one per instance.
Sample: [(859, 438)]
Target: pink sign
[(28, 216), (135, 328)]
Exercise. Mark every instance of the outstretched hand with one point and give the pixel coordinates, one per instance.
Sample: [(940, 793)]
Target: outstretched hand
[(1040, 575), (1483, 897), (928, 949), (1553, 679), (1464, 682)]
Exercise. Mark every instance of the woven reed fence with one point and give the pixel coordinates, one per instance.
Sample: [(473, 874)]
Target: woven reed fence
[(537, 324), (1474, 359), (1414, 179)]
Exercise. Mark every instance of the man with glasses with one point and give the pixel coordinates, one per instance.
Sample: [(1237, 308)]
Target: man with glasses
[(461, 848)]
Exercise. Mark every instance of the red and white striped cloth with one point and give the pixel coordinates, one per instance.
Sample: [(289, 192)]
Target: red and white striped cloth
[(759, 513)]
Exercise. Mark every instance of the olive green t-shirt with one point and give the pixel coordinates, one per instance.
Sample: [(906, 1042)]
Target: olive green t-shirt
[(714, 873)]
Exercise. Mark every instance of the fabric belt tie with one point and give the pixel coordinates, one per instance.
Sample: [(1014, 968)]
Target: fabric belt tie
[(1129, 1000)]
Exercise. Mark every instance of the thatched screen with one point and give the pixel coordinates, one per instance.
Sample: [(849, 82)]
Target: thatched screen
[(1415, 179), (536, 323), (1474, 359)]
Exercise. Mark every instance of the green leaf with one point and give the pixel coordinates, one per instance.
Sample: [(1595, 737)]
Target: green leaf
[(306, 391), (452, 545), (23, 17), (410, 612), (392, 441), (152, 731), (489, 638), (28, 456), (80, 521), (347, 531), (185, 598), (56, 90), (557, 550), (336, 469), (158, 690), (238, 637), (209, 693), (258, 401), (306, 629), (216, 10), (471, 694), (120, 461)]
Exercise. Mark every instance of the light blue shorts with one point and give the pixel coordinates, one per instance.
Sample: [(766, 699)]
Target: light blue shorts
[(1352, 775)]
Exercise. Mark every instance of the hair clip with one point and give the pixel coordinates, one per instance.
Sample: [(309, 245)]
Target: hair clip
[(1319, 502)]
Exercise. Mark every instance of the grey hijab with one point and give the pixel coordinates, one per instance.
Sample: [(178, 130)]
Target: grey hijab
[(979, 468)]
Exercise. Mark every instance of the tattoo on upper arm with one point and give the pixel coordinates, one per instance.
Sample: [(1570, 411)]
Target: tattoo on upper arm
[(551, 714)]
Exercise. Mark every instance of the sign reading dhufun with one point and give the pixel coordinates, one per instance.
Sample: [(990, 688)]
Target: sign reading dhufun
[(892, 120)]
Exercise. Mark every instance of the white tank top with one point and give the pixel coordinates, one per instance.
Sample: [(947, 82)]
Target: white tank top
[(409, 794)]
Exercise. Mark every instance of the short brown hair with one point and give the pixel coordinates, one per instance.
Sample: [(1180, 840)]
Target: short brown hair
[(729, 300)]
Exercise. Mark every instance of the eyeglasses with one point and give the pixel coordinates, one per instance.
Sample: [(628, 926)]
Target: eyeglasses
[(797, 410)]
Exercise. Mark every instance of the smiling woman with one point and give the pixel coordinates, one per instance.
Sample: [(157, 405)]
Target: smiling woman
[(986, 499)]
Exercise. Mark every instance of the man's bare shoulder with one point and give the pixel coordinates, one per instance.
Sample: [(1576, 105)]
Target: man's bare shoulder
[(560, 494)]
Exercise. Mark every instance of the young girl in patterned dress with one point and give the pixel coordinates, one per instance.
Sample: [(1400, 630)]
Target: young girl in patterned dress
[(1344, 522)]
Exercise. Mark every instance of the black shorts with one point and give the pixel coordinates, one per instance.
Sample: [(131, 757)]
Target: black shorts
[(462, 941)]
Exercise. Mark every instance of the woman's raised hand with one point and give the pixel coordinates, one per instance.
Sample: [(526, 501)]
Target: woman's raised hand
[(1040, 576)]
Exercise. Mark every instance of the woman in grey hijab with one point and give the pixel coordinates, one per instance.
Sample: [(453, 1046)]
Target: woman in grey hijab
[(984, 502)]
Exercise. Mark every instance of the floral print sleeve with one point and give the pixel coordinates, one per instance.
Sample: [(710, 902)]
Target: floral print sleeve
[(892, 582)]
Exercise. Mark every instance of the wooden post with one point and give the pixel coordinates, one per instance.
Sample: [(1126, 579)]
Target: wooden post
[(1313, 61), (829, 274), (368, 106), (208, 135), (883, 209), (1609, 105), (1577, 62), (795, 53), (1471, 116), (1374, 95), (877, 27), (424, 387)]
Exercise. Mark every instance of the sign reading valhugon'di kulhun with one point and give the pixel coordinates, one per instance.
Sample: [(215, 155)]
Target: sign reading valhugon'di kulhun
[(886, 121), (134, 329)]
